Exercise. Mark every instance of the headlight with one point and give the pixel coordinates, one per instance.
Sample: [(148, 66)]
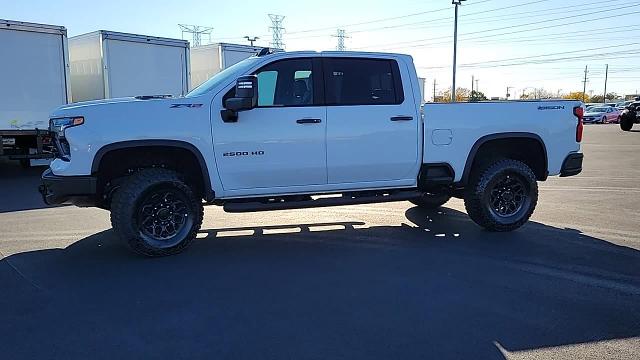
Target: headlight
[(58, 125)]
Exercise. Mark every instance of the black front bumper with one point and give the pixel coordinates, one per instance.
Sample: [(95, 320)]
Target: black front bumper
[(572, 165), (76, 190)]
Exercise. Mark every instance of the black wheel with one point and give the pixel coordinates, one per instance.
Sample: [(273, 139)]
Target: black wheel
[(156, 213), (503, 196), (431, 200), (603, 120), (626, 123)]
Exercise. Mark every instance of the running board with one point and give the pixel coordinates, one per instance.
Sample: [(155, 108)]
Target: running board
[(345, 199)]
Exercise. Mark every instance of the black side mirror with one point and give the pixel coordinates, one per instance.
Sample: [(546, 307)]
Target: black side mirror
[(246, 97)]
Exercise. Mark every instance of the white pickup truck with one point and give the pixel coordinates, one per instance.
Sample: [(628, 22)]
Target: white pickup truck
[(286, 130)]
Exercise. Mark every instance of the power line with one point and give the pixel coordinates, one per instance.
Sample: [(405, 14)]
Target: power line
[(512, 27), (390, 18)]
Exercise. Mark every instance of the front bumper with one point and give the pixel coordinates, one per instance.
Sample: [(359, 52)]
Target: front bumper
[(76, 190), (572, 165)]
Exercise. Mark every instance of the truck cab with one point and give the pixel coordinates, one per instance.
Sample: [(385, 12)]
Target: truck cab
[(283, 130)]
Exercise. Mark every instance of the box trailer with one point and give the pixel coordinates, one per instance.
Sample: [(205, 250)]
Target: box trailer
[(34, 69), (107, 64), (209, 60)]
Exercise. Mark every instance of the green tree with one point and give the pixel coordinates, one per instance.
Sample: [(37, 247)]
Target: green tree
[(477, 96)]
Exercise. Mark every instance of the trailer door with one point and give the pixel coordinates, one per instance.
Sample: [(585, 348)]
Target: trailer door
[(32, 70), (135, 68)]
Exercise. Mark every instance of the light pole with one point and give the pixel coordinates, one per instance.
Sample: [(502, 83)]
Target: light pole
[(251, 40), (455, 48)]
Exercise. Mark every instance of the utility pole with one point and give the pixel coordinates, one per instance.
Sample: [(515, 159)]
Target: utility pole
[(434, 90), (606, 78), (472, 82), (277, 30), (584, 88), (251, 40), (455, 48), (340, 34)]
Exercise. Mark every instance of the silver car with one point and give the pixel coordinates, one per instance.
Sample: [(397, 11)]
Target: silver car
[(601, 115)]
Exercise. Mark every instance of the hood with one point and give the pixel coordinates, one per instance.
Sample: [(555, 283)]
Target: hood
[(84, 106)]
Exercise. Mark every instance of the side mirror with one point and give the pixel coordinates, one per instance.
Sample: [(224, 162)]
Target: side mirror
[(246, 97)]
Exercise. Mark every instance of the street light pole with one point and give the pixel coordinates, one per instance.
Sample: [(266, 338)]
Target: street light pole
[(455, 48)]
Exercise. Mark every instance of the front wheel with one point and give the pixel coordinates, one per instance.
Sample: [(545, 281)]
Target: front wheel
[(156, 213), (603, 120), (502, 197)]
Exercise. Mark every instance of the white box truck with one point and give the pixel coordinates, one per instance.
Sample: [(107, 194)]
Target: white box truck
[(34, 69), (208, 60), (107, 64)]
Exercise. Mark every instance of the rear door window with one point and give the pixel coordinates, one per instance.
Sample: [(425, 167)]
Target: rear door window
[(354, 81)]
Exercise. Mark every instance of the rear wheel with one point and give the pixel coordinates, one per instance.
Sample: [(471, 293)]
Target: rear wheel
[(431, 200), (626, 123), (156, 213), (503, 196)]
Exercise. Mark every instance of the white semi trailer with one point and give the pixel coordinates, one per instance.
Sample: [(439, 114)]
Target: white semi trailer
[(34, 69), (209, 60), (107, 64)]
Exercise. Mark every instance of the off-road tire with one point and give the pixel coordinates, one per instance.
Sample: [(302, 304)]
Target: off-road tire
[(125, 210), (431, 200), (626, 123), (478, 193)]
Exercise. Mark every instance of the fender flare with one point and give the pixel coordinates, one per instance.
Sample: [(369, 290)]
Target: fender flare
[(208, 191), (506, 135)]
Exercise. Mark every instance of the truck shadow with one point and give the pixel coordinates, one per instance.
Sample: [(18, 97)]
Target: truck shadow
[(434, 287), (19, 187)]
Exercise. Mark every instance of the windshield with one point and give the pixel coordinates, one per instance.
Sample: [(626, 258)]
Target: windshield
[(598, 109), (223, 76)]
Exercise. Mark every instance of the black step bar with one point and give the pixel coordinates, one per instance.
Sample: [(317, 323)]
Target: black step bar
[(345, 199)]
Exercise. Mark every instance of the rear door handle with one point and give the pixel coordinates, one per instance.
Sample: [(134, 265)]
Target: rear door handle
[(402, 118), (309, 121)]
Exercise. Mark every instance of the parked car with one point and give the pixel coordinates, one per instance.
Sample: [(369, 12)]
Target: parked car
[(292, 130), (602, 115)]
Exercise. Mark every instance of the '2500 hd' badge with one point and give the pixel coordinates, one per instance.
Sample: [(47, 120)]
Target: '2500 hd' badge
[(176, 106)]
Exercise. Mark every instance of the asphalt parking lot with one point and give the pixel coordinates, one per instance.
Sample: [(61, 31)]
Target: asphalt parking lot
[(387, 281)]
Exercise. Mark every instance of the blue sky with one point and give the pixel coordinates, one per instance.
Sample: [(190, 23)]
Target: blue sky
[(524, 44)]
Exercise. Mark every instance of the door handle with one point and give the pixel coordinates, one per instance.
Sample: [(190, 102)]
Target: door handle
[(309, 121), (402, 118)]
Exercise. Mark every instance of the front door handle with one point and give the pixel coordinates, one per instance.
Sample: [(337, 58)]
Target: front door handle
[(309, 121), (402, 118)]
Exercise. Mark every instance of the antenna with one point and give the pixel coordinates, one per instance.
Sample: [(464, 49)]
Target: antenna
[(341, 35), (196, 32), (277, 30)]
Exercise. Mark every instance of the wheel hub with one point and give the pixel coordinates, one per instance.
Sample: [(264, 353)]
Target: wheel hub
[(508, 196), (162, 215)]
